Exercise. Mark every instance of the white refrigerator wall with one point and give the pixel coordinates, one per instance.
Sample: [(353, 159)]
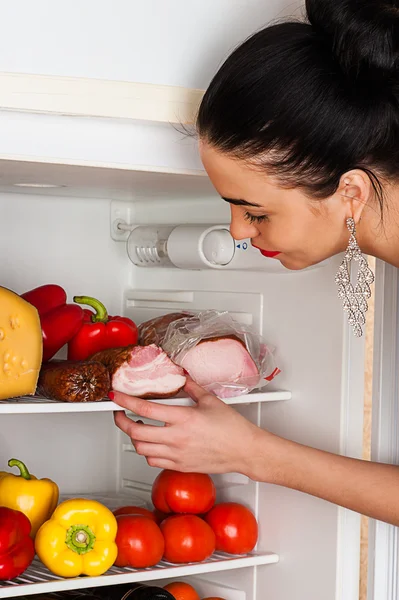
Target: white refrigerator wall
[(64, 241), (171, 42)]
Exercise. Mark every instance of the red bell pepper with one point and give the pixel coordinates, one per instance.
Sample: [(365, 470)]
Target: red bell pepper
[(100, 331), (59, 321), (17, 549), (46, 297)]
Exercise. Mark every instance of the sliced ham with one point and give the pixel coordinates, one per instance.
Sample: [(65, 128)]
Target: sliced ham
[(222, 365), (143, 371)]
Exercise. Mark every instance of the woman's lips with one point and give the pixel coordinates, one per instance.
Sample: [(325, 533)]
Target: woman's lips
[(268, 253)]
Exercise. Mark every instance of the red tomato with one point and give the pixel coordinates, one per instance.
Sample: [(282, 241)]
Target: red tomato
[(187, 539), (192, 493), (159, 516), (235, 527), (135, 510), (181, 591), (139, 540)]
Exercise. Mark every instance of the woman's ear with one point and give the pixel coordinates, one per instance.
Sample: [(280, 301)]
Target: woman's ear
[(355, 191)]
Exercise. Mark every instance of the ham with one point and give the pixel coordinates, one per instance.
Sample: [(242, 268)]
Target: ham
[(222, 365), (143, 371)]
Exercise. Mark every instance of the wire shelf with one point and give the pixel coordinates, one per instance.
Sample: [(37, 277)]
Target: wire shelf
[(37, 579), (36, 405)]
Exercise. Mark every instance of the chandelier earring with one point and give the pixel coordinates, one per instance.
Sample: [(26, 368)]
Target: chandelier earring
[(354, 299)]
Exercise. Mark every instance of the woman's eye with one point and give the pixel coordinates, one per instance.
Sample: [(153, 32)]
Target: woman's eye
[(255, 219)]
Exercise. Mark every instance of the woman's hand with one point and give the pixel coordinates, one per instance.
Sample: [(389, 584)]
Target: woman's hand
[(210, 437)]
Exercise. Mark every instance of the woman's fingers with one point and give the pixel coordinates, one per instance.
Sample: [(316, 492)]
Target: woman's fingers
[(161, 463), (210, 437), (145, 439), (195, 391), (150, 410), (137, 431), (153, 450)]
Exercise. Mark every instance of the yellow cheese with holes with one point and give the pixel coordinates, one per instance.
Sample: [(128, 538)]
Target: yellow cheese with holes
[(21, 346)]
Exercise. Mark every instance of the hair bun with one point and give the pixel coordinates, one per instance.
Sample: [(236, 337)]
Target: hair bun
[(363, 35)]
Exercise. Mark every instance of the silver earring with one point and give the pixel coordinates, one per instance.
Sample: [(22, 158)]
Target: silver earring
[(354, 299)]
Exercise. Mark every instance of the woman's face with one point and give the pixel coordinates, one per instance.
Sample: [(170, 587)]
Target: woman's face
[(303, 232)]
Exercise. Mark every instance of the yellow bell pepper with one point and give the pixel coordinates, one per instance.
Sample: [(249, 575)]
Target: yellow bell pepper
[(79, 539), (36, 498)]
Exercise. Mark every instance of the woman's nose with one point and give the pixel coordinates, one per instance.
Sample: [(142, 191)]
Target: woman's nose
[(241, 229)]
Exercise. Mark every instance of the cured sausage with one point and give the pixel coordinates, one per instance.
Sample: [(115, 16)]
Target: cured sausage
[(74, 381)]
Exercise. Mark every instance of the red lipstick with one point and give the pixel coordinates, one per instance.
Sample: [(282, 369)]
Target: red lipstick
[(267, 253)]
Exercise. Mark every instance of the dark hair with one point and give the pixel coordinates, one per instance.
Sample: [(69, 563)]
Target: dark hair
[(310, 101)]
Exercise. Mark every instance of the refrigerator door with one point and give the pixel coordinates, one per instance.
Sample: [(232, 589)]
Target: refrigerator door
[(383, 538)]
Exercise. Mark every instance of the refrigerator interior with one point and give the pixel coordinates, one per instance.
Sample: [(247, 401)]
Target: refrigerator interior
[(149, 172), (64, 236)]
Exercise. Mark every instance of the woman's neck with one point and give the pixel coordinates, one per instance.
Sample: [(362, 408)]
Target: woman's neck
[(378, 236)]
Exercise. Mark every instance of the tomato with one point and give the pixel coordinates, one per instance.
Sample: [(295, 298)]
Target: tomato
[(182, 591), (159, 516), (235, 527), (139, 540), (192, 493), (187, 539), (135, 510)]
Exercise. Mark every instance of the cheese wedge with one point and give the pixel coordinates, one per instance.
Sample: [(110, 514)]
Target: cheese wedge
[(21, 346)]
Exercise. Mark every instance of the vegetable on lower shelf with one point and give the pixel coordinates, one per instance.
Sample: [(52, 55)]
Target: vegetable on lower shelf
[(135, 510), (187, 539), (36, 498), (79, 539), (235, 527), (20, 346), (59, 321), (140, 542), (17, 549), (100, 331), (181, 590), (155, 515), (191, 493)]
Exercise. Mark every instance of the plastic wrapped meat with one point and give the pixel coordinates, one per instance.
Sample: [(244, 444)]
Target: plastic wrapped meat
[(220, 354), (224, 360), (154, 330)]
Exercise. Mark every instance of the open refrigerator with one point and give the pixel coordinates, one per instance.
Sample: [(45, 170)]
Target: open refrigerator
[(80, 153)]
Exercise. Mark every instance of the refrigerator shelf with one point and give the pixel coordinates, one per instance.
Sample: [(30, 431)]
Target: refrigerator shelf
[(37, 579), (37, 405)]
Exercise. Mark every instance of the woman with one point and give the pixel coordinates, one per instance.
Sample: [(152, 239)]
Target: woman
[(299, 133)]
